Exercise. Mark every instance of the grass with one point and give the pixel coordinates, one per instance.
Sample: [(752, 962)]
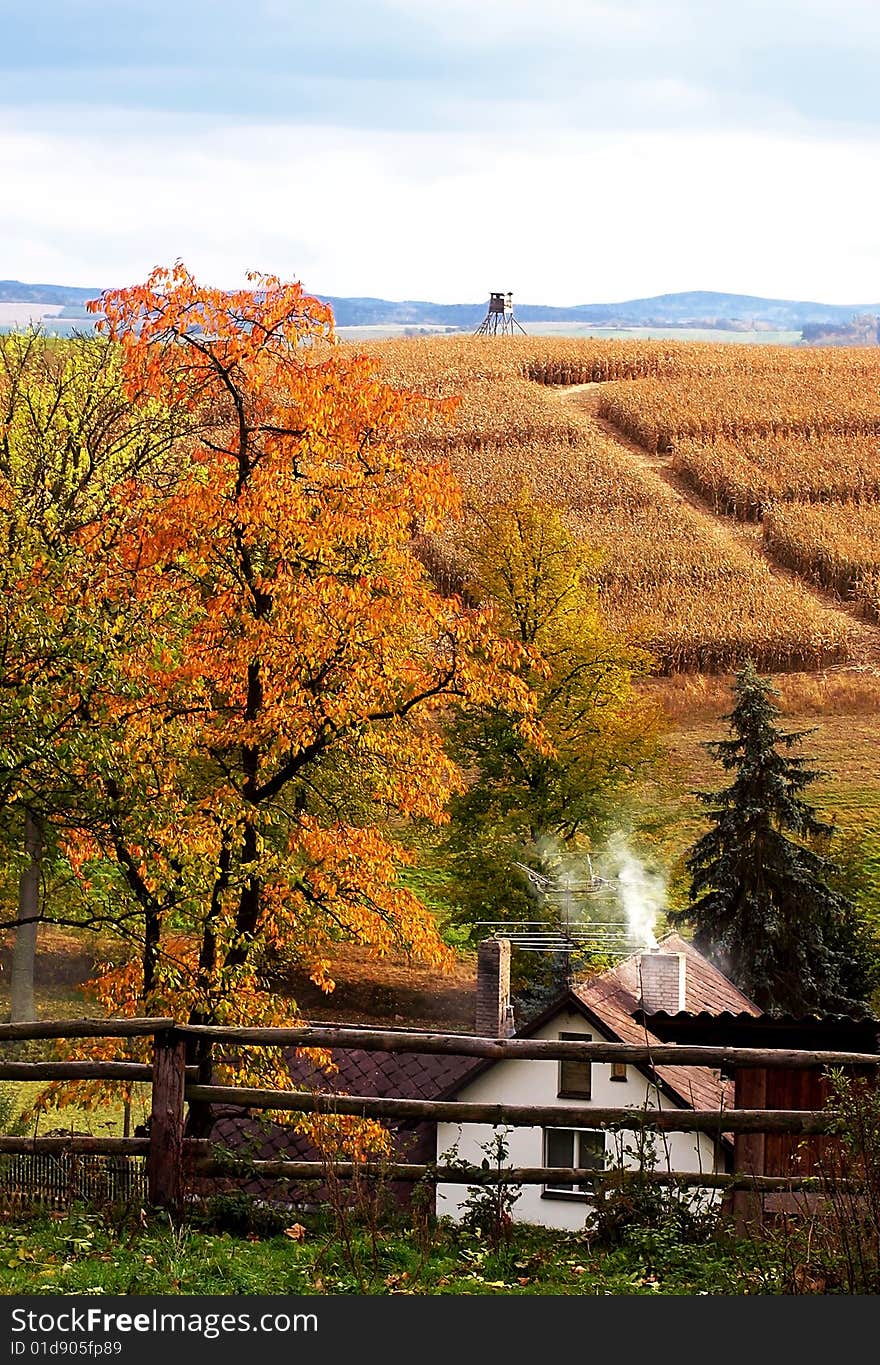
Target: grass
[(105, 1121), (63, 960), (84, 1252)]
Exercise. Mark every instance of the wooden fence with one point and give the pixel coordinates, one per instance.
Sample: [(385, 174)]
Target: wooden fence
[(55, 1179), (172, 1157)]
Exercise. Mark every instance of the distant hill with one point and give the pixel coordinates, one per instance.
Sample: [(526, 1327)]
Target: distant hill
[(13, 291), (693, 309), (696, 308), (706, 306)]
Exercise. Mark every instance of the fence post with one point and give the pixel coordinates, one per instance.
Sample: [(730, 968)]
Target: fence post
[(165, 1157), (201, 1116), (750, 1092)]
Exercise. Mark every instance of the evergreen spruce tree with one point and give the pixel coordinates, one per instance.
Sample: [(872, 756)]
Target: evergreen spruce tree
[(763, 900)]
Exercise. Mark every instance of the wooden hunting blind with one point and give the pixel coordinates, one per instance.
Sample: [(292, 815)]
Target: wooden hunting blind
[(499, 319)]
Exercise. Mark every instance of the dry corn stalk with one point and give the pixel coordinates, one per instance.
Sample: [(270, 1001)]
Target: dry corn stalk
[(836, 544), (793, 402)]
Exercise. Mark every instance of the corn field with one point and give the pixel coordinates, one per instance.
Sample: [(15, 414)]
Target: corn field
[(837, 544), (706, 408), (742, 477), (449, 363), (868, 596), (697, 600)]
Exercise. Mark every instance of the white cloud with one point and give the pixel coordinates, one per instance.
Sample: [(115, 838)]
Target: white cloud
[(567, 218)]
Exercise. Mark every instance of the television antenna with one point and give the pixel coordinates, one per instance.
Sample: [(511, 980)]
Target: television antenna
[(563, 931)]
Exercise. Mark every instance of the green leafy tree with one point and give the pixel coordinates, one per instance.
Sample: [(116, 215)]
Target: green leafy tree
[(543, 804), (70, 438), (766, 903)]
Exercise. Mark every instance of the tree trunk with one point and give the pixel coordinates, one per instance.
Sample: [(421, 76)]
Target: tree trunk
[(21, 990)]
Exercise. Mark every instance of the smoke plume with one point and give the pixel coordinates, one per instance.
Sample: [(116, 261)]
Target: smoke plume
[(642, 894)]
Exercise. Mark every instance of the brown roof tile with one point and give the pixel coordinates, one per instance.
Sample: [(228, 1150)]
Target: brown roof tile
[(614, 998), (401, 1075)]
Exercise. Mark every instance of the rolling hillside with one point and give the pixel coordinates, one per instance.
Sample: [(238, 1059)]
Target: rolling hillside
[(689, 309)]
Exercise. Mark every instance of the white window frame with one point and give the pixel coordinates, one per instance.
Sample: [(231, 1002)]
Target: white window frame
[(573, 1191)]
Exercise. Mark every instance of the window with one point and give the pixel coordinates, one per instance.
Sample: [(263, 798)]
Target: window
[(575, 1078), (618, 1071), (581, 1148)]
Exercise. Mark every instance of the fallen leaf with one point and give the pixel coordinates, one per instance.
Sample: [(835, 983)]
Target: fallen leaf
[(296, 1233)]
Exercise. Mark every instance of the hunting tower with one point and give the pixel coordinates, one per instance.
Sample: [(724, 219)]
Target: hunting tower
[(499, 320)]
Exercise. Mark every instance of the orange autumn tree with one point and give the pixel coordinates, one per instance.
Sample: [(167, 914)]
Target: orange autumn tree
[(301, 656)]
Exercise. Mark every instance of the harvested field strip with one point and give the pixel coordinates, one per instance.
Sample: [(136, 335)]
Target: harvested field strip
[(837, 545), (703, 408), (742, 477)]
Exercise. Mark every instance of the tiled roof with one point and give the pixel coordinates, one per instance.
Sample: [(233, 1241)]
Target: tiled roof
[(614, 997), (400, 1075)]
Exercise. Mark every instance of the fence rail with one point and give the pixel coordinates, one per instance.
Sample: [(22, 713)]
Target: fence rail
[(83, 1028), (496, 1049), (520, 1115), (76, 1142), (175, 1083), (508, 1175), (76, 1071)]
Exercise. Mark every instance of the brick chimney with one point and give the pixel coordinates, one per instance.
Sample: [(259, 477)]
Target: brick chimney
[(494, 1010), (663, 982)]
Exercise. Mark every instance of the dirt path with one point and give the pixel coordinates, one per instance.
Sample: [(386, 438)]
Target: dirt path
[(865, 647)]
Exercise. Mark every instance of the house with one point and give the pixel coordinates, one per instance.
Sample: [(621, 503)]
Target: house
[(616, 1006), (613, 1006)]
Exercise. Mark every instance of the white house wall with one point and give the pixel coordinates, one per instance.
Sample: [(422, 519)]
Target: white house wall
[(527, 1081)]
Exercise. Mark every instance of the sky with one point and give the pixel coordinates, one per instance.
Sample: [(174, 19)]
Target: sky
[(574, 151)]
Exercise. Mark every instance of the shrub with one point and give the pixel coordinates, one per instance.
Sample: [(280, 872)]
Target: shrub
[(632, 1209), (239, 1214)]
